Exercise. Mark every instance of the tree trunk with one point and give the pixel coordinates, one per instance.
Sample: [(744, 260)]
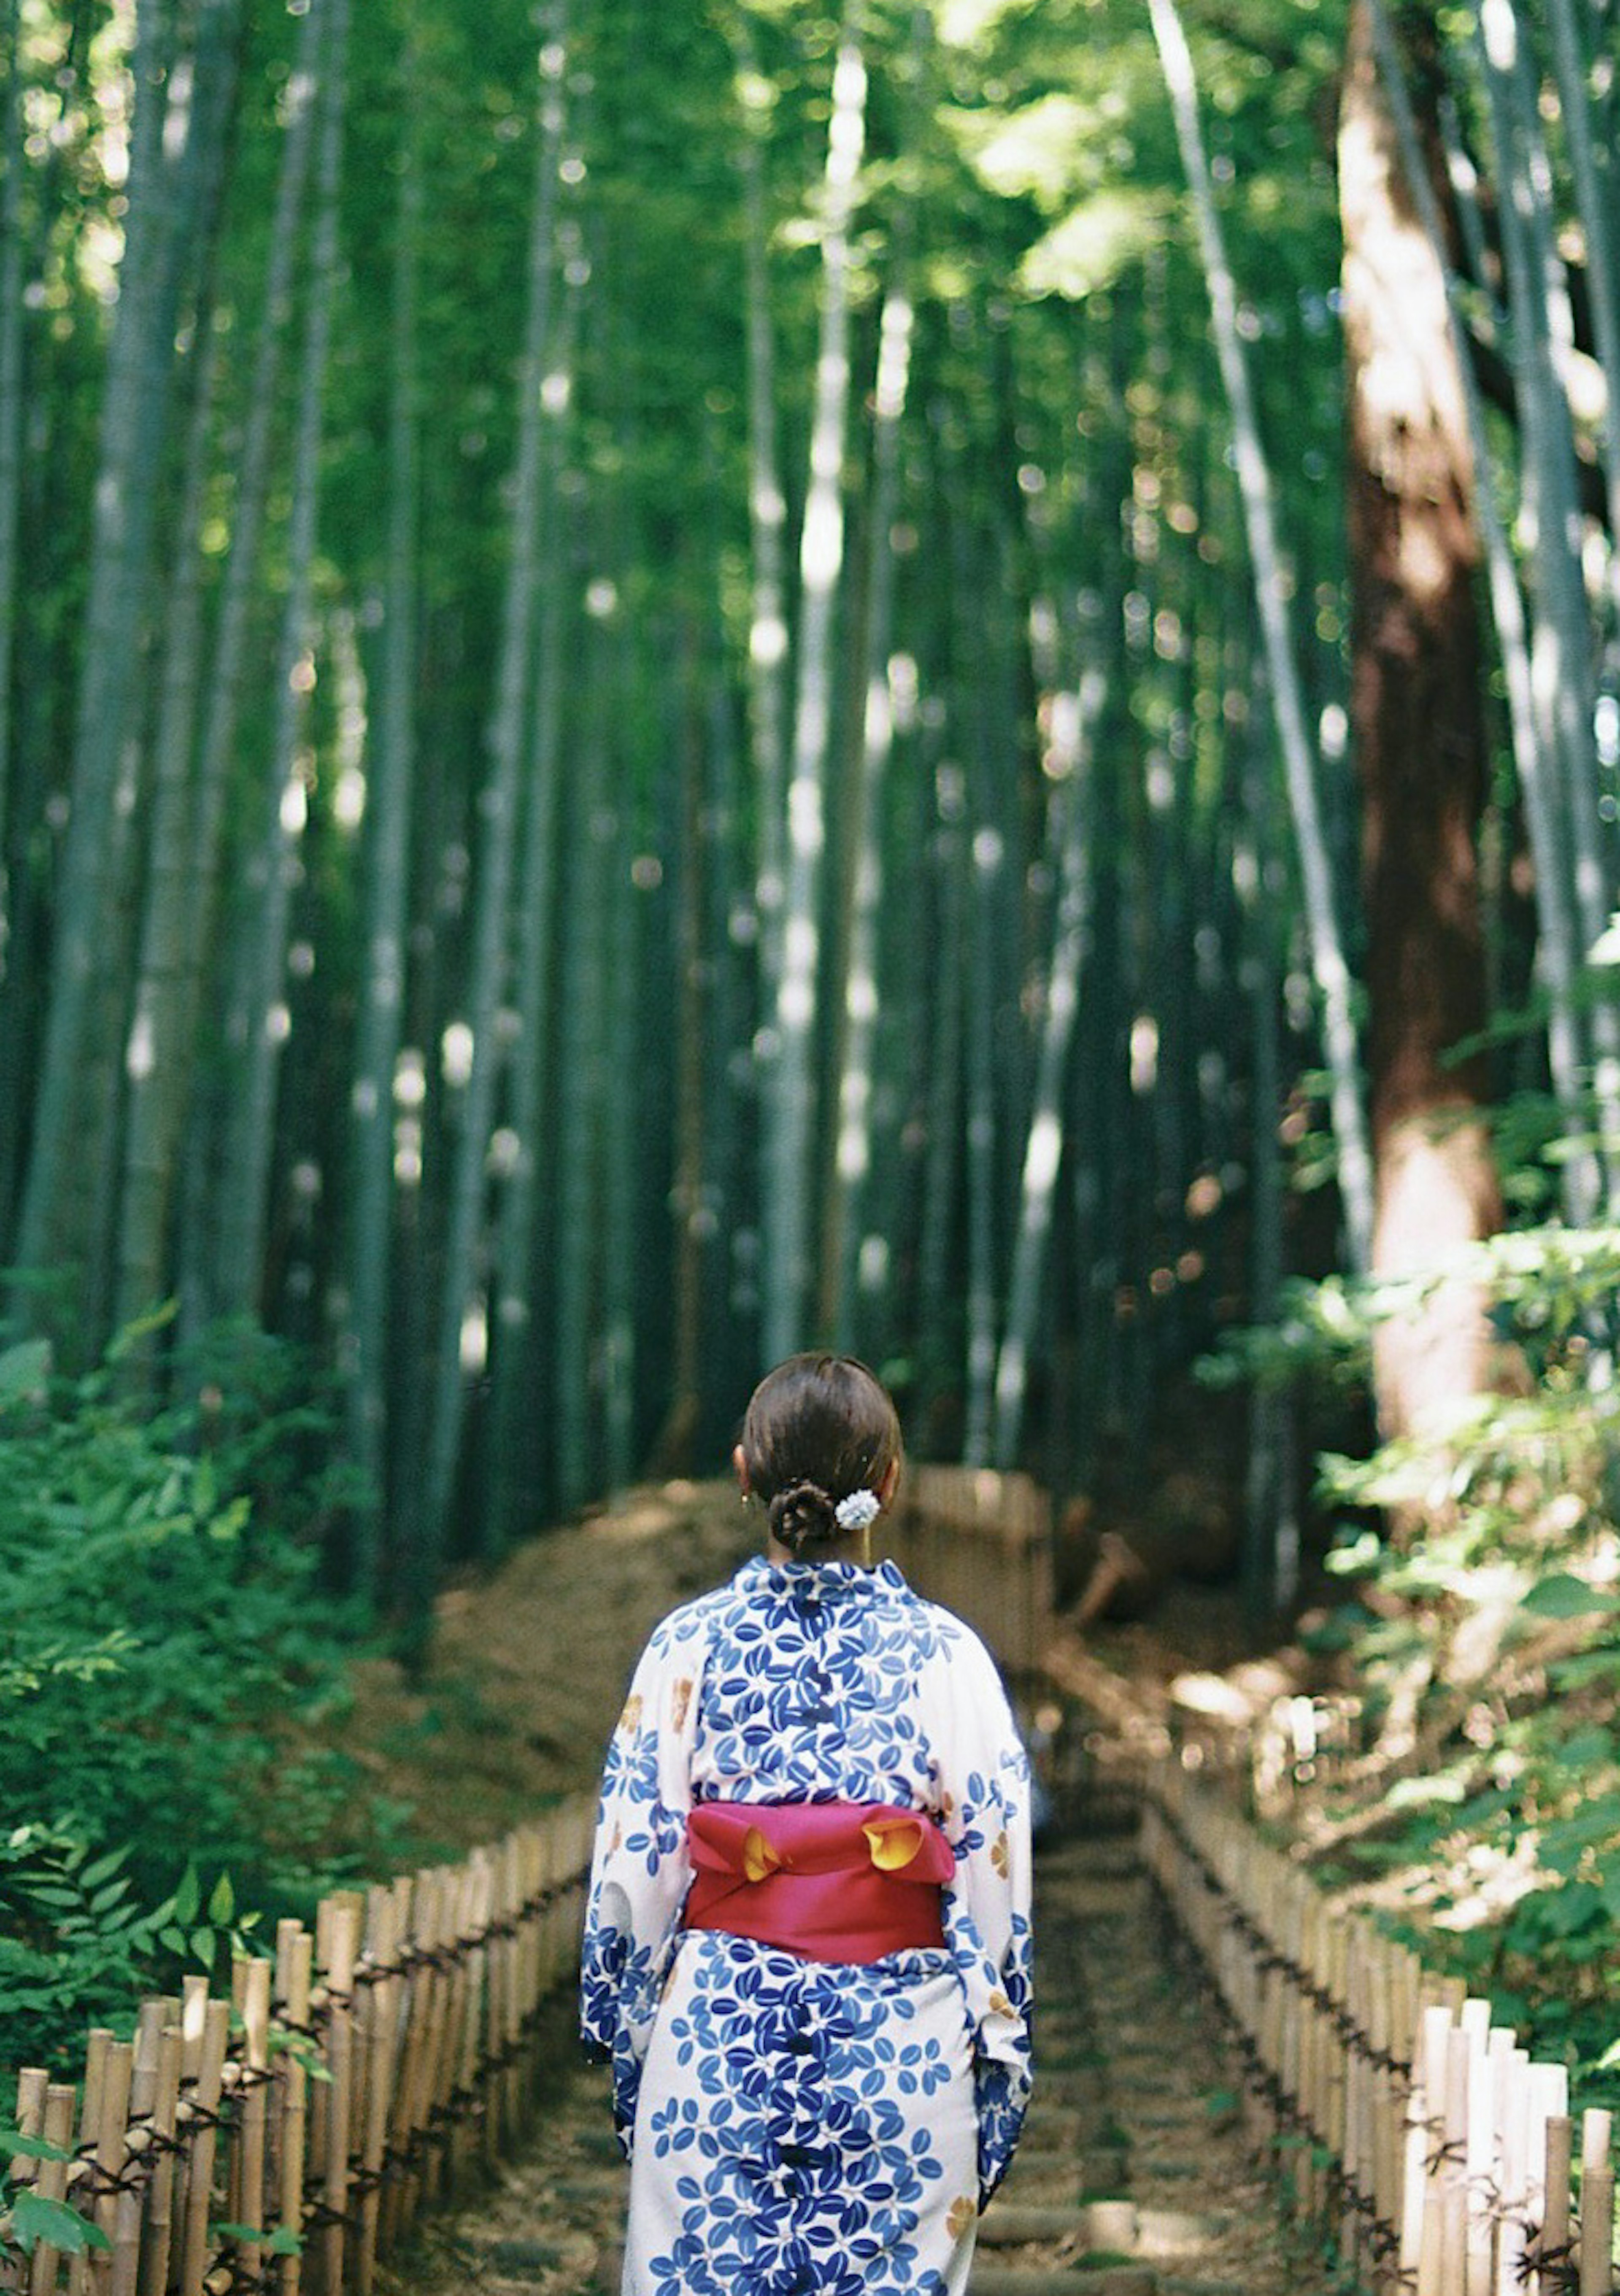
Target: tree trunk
[(1416, 681), (1557, 949)]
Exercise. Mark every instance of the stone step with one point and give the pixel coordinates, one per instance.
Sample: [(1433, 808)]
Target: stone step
[(1106, 2224), (995, 2279)]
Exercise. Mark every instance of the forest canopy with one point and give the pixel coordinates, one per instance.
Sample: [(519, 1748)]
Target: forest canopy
[(682, 682)]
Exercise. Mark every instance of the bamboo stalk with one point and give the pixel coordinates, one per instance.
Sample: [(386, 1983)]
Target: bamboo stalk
[(294, 1958)]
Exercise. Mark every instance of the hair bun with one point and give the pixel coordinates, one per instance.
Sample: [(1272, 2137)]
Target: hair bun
[(803, 1515)]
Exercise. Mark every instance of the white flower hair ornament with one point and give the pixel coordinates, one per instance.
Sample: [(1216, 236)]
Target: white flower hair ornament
[(858, 1509)]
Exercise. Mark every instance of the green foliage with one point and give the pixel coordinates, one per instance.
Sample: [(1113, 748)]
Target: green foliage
[(165, 1624), (1482, 1633)]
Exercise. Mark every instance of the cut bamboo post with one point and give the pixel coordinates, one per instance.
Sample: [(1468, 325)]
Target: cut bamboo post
[(111, 2153), (294, 1964), (250, 1993), (1597, 2204), (199, 2113), (415, 2094), (1480, 2168), (157, 2232), (337, 1939), (1555, 2223), (474, 2023), (33, 2081), (80, 2172), (380, 2019), (52, 2182), (1512, 2275), (123, 2277)]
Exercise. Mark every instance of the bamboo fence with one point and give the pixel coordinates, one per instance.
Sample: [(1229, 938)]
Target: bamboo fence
[(276, 2140), (980, 1543), (1419, 2133)]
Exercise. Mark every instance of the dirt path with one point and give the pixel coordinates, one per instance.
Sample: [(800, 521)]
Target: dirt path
[(1132, 2179)]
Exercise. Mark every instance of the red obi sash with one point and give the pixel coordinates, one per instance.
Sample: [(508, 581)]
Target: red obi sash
[(830, 1880)]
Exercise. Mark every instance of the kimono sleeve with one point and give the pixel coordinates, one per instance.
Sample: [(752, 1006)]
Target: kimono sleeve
[(984, 1810), (640, 1868)]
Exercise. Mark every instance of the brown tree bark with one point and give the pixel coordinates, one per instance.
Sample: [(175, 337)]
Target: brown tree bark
[(1419, 739)]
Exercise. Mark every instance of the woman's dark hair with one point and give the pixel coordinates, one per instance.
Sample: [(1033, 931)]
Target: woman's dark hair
[(816, 1429)]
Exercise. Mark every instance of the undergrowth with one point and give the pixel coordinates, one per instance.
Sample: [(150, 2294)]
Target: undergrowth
[(165, 1625), (1477, 1809)]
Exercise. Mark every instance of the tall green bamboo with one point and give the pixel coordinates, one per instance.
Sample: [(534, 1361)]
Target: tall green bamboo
[(257, 1019), (1329, 965), (517, 1331), (52, 1227), (845, 1224), (12, 229), (1563, 683), (190, 802), (1069, 845), (789, 1186), (147, 1176), (486, 986), (364, 1352), (767, 644), (1557, 951)]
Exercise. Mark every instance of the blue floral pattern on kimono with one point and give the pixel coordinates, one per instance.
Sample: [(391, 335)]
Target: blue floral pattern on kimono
[(793, 2125)]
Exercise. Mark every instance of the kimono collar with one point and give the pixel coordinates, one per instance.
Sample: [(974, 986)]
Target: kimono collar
[(824, 1581)]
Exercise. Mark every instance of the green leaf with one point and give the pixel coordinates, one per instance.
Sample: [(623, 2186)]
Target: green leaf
[(188, 1897), (35, 2219), (203, 1943), (222, 1903), (31, 2148), (285, 2239), (1563, 1595)]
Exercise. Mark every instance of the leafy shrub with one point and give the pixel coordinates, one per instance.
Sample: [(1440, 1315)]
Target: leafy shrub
[(164, 1622), (1480, 1630)]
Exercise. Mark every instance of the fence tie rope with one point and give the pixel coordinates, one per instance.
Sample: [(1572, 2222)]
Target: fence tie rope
[(1559, 2266)]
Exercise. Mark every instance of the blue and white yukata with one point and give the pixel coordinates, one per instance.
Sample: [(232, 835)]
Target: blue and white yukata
[(798, 2126)]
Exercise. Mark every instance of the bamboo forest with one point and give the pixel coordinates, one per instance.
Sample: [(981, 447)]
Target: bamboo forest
[(931, 678)]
